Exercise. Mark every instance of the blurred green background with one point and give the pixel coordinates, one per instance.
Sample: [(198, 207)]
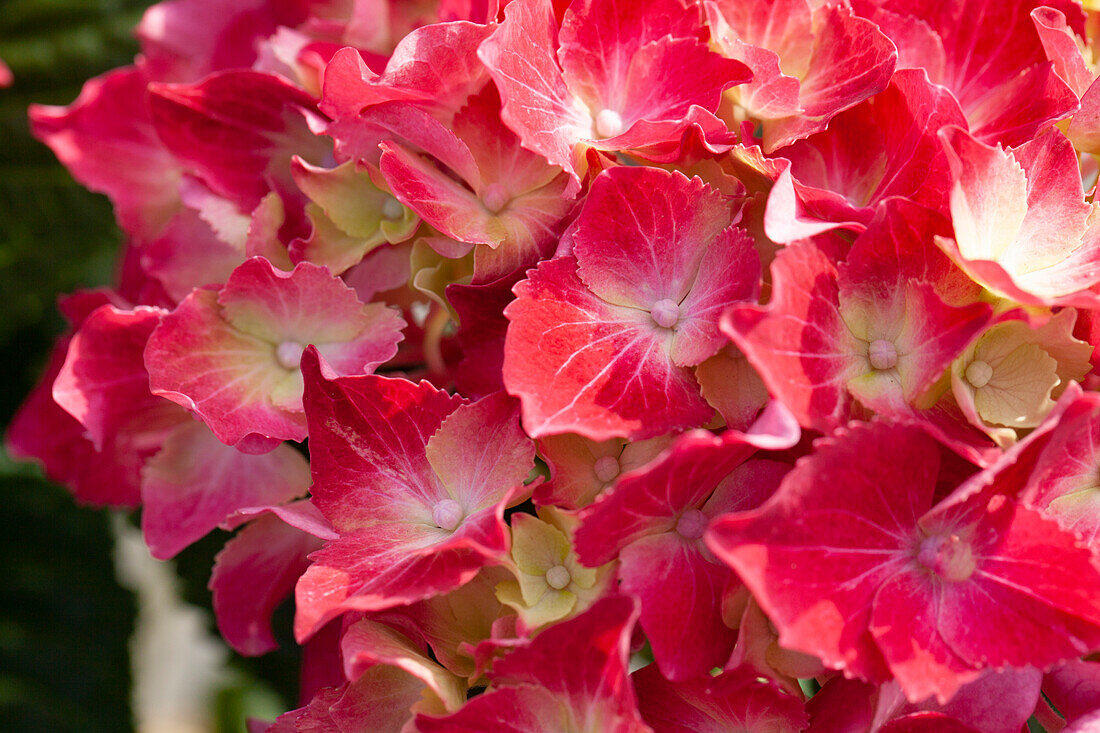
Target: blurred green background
[(64, 620)]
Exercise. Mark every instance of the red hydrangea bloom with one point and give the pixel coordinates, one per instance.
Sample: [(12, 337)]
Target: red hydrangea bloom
[(107, 140), (231, 356), (613, 76), (881, 582), (808, 63), (1074, 689), (996, 702), (883, 148), (257, 570), (237, 130), (580, 469), (414, 481), (601, 343), (189, 482), (434, 66), (987, 55), (351, 213), (512, 200), (195, 482), (877, 329), (572, 676), (653, 521), (545, 222), (1064, 481), (736, 700), (43, 430), (390, 679), (1022, 226), (103, 382)]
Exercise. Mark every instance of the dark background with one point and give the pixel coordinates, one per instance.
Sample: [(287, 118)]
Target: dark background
[(64, 620)]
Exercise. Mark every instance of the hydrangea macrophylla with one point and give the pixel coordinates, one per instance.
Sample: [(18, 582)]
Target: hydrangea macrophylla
[(613, 76), (258, 568), (107, 140), (1022, 227), (195, 482), (572, 676), (881, 583), (190, 482), (581, 468), (736, 700), (435, 67), (653, 521), (432, 75), (368, 647), (563, 198), (996, 702), (512, 201), (238, 130), (601, 343), (107, 474), (1063, 48), (757, 647), (808, 63), (878, 329), (1010, 376), (457, 623), (351, 213), (103, 382), (231, 356), (1065, 481), (414, 481), (390, 680), (882, 148), (988, 56), (550, 582), (186, 40), (203, 243), (1084, 128), (1073, 688), (482, 328), (732, 386)]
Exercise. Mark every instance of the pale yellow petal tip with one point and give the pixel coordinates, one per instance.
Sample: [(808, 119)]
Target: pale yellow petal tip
[(551, 584)]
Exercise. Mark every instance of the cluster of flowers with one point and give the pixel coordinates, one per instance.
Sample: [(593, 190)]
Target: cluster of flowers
[(503, 265)]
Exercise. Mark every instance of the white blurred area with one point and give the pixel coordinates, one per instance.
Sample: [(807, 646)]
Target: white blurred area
[(178, 666)]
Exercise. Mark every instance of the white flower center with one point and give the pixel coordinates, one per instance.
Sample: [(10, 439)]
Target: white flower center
[(447, 514), (606, 468), (691, 524), (948, 556), (289, 354), (558, 577), (665, 313), (392, 209), (883, 354), (978, 373), (495, 197), (609, 123)]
